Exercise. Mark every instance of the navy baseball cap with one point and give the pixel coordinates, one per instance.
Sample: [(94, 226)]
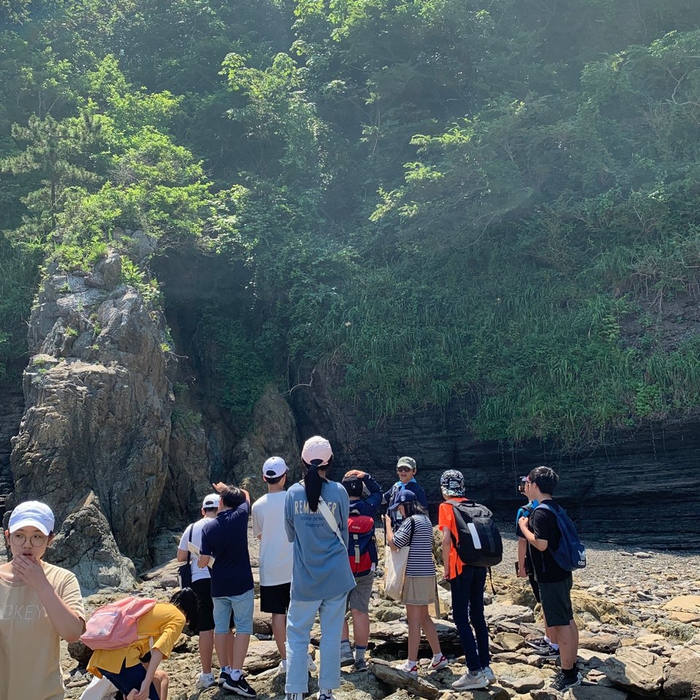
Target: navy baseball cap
[(405, 496)]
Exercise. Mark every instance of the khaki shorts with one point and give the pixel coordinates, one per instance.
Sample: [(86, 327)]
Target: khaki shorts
[(358, 598), (418, 590)]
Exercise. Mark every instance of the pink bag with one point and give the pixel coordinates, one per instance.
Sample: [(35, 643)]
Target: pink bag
[(113, 626)]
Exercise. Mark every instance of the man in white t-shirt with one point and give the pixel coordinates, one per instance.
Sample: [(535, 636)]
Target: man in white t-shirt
[(276, 553), (201, 585)]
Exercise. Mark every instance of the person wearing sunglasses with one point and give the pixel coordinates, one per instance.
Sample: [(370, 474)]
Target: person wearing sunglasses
[(406, 472), (40, 604)]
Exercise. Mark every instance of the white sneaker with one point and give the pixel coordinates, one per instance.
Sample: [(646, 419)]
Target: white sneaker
[(205, 680), (489, 674), (282, 668), (471, 681), (310, 665), (412, 670)]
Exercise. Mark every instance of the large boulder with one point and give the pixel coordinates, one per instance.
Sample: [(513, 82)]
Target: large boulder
[(84, 544), (98, 404)]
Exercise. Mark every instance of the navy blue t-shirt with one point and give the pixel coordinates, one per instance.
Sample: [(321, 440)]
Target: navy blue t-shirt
[(226, 538)]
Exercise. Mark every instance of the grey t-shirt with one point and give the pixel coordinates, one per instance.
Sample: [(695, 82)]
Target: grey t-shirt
[(321, 567)]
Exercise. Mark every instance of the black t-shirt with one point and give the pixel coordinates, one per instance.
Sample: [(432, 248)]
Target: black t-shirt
[(544, 524)]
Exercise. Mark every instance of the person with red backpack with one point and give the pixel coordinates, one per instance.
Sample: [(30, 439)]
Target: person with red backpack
[(133, 668), (365, 496)]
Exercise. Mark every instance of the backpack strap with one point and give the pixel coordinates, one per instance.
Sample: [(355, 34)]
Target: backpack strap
[(332, 524), (189, 540)]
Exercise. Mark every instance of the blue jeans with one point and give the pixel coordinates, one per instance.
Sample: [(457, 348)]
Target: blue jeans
[(468, 612), (300, 619)]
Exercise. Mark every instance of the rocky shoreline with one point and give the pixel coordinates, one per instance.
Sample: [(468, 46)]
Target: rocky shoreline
[(638, 613)]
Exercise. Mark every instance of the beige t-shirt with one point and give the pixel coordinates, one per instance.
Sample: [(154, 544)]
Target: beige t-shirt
[(29, 645)]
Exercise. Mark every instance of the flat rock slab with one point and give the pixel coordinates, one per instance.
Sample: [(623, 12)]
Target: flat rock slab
[(400, 679), (509, 641), (684, 603), (635, 669), (510, 614), (607, 643), (597, 692), (522, 685)]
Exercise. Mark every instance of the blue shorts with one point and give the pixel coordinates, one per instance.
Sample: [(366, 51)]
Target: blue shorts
[(129, 678), (242, 608)]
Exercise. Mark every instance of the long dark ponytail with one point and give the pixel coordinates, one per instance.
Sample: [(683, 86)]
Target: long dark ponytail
[(313, 482)]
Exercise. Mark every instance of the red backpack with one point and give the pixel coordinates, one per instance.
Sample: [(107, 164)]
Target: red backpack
[(114, 626), (362, 548)]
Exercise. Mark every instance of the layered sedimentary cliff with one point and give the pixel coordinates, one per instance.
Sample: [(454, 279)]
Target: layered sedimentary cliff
[(638, 486)]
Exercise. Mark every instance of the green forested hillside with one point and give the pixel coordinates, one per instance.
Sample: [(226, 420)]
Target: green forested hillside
[(441, 197)]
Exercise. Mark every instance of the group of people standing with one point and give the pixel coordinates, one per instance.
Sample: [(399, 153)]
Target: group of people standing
[(314, 561)]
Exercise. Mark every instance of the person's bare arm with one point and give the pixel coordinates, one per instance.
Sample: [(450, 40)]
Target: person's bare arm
[(446, 547), (538, 544), (182, 555)]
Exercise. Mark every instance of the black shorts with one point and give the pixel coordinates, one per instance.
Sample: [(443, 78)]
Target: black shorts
[(275, 599), (556, 602), (205, 605)]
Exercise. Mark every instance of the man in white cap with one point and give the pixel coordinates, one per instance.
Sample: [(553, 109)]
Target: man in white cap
[(201, 585), (276, 553), (39, 604)]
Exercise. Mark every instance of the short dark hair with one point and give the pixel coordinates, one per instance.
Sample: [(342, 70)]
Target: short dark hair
[(208, 510), (232, 496), (273, 479), (413, 507), (545, 478)]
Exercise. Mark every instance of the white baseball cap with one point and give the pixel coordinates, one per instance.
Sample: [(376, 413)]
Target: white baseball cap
[(211, 501), (317, 451), (274, 467), (32, 514)]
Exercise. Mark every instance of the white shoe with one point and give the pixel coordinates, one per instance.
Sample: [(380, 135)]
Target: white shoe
[(471, 681), (489, 674), (282, 668), (205, 680), (412, 670), (310, 665)]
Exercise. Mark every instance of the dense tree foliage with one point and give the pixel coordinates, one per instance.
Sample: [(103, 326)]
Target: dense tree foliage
[(496, 198)]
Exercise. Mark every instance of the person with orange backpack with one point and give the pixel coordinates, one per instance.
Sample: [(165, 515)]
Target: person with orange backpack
[(131, 639), (365, 496)]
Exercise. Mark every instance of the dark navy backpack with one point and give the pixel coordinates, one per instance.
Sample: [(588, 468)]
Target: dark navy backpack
[(570, 554)]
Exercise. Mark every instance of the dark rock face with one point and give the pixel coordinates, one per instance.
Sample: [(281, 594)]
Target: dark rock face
[(85, 545), (639, 487), (98, 404), (11, 410)]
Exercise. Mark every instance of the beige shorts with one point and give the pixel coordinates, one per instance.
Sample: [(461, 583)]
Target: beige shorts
[(418, 590)]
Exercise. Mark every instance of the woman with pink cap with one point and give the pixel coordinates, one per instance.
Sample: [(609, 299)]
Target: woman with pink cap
[(40, 604)]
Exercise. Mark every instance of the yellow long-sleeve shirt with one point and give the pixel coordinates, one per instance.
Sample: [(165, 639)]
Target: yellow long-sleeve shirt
[(163, 625)]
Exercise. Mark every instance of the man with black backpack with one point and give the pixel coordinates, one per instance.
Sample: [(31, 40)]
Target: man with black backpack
[(471, 544), (552, 567)]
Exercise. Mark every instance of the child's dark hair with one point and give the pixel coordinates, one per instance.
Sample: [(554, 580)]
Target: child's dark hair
[(313, 482), (232, 496), (273, 479), (413, 508), (545, 478), (186, 600)]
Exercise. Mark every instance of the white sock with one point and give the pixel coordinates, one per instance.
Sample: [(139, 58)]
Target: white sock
[(236, 674), (437, 657), (410, 664)]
